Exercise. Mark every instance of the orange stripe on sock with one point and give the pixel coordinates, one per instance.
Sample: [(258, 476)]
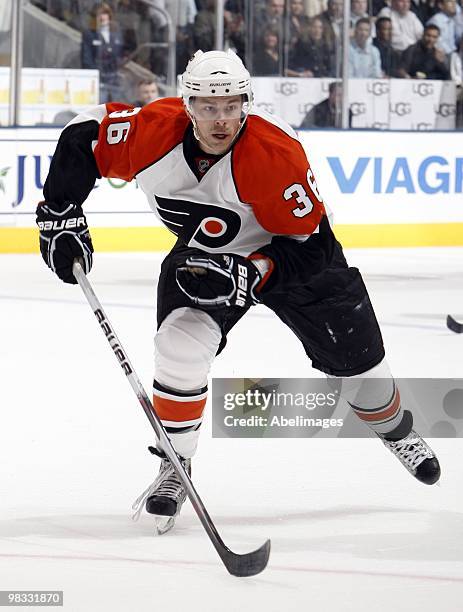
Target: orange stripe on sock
[(170, 410), (388, 412)]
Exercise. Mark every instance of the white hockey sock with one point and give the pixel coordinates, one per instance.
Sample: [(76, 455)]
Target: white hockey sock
[(375, 399)]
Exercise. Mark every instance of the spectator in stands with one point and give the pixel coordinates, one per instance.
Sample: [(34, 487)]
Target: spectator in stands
[(267, 58), (271, 16), (147, 91), (205, 26), (446, 21), (311, 55), (298, 23), (390, 58), (407, 29), (424, 60), (327, 114), (332, 20), (235, 28), (364, 57), (102, 49), (358, 10)]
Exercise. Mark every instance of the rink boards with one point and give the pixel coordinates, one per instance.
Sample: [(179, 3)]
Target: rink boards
[(387, 189)]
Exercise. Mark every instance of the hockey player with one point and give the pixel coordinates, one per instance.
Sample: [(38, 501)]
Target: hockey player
[(236, 188)]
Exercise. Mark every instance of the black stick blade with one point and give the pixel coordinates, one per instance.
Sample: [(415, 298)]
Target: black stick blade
[(248, 564), (454, 325)]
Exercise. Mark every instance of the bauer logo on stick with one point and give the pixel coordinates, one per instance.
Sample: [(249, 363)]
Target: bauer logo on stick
[(115, 346)]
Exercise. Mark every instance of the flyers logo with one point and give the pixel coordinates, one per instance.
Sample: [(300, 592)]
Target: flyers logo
[(210, 226)]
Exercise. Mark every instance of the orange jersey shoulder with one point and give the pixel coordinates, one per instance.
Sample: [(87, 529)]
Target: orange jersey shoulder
[(273, 175), (131, 139)]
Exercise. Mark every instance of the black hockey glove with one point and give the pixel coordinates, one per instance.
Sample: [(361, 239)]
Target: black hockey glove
[(64, 236), (219, 280)]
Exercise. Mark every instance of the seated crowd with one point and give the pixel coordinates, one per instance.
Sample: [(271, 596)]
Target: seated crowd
[(393, 38), (295, 38)]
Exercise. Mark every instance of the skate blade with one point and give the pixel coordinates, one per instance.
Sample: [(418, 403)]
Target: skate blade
[(163, 524)]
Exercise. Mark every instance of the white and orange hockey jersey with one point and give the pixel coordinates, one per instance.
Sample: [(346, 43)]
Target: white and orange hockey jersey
[(262, 187)]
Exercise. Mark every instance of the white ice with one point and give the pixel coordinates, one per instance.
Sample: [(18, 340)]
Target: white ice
[(351, 530)]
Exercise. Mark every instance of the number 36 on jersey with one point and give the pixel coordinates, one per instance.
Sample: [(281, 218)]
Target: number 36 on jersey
[(298, 193)]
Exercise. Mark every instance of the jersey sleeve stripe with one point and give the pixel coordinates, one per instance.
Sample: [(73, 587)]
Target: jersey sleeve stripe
[(97, 113)]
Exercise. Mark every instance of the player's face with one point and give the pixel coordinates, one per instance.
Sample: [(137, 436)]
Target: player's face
[(218, 121)]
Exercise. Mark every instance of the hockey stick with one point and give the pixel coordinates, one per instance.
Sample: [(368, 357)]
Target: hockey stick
[(248, 564), (454, 325)]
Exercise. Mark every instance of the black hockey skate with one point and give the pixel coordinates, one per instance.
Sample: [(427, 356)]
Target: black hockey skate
[(165, 496), (419, 459)]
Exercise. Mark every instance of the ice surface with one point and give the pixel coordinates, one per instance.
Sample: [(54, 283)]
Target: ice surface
[(351, 530)]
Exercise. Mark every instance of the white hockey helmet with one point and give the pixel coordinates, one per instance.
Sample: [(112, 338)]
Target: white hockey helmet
[(216, 73)]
